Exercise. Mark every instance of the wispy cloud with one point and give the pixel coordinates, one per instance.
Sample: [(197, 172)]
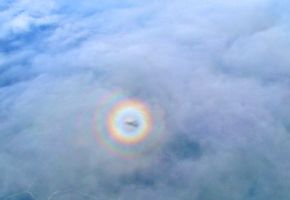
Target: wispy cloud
[(218, 70)]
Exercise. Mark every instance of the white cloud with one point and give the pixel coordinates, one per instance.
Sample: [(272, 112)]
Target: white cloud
[(218, 69)]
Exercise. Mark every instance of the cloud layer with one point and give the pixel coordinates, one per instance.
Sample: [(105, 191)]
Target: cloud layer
[(217, 70)]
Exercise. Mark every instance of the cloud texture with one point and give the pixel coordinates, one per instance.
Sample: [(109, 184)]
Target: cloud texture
[(218, 70)]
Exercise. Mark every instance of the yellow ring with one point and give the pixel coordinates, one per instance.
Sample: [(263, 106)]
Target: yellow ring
[(117, 134)]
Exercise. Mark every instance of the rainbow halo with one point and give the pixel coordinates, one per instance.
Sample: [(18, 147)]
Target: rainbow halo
[(129, 122), (126, 125)]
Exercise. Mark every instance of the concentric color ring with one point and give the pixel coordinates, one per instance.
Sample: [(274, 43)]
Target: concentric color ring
[(137, 108), (127, 126)]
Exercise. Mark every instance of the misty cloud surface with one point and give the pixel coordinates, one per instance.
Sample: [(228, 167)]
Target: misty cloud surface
[(218, 72)]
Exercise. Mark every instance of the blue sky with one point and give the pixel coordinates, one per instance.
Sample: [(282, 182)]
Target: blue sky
[(218, 71)]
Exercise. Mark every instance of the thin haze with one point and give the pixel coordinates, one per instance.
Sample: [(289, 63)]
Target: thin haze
[(218, 71)]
